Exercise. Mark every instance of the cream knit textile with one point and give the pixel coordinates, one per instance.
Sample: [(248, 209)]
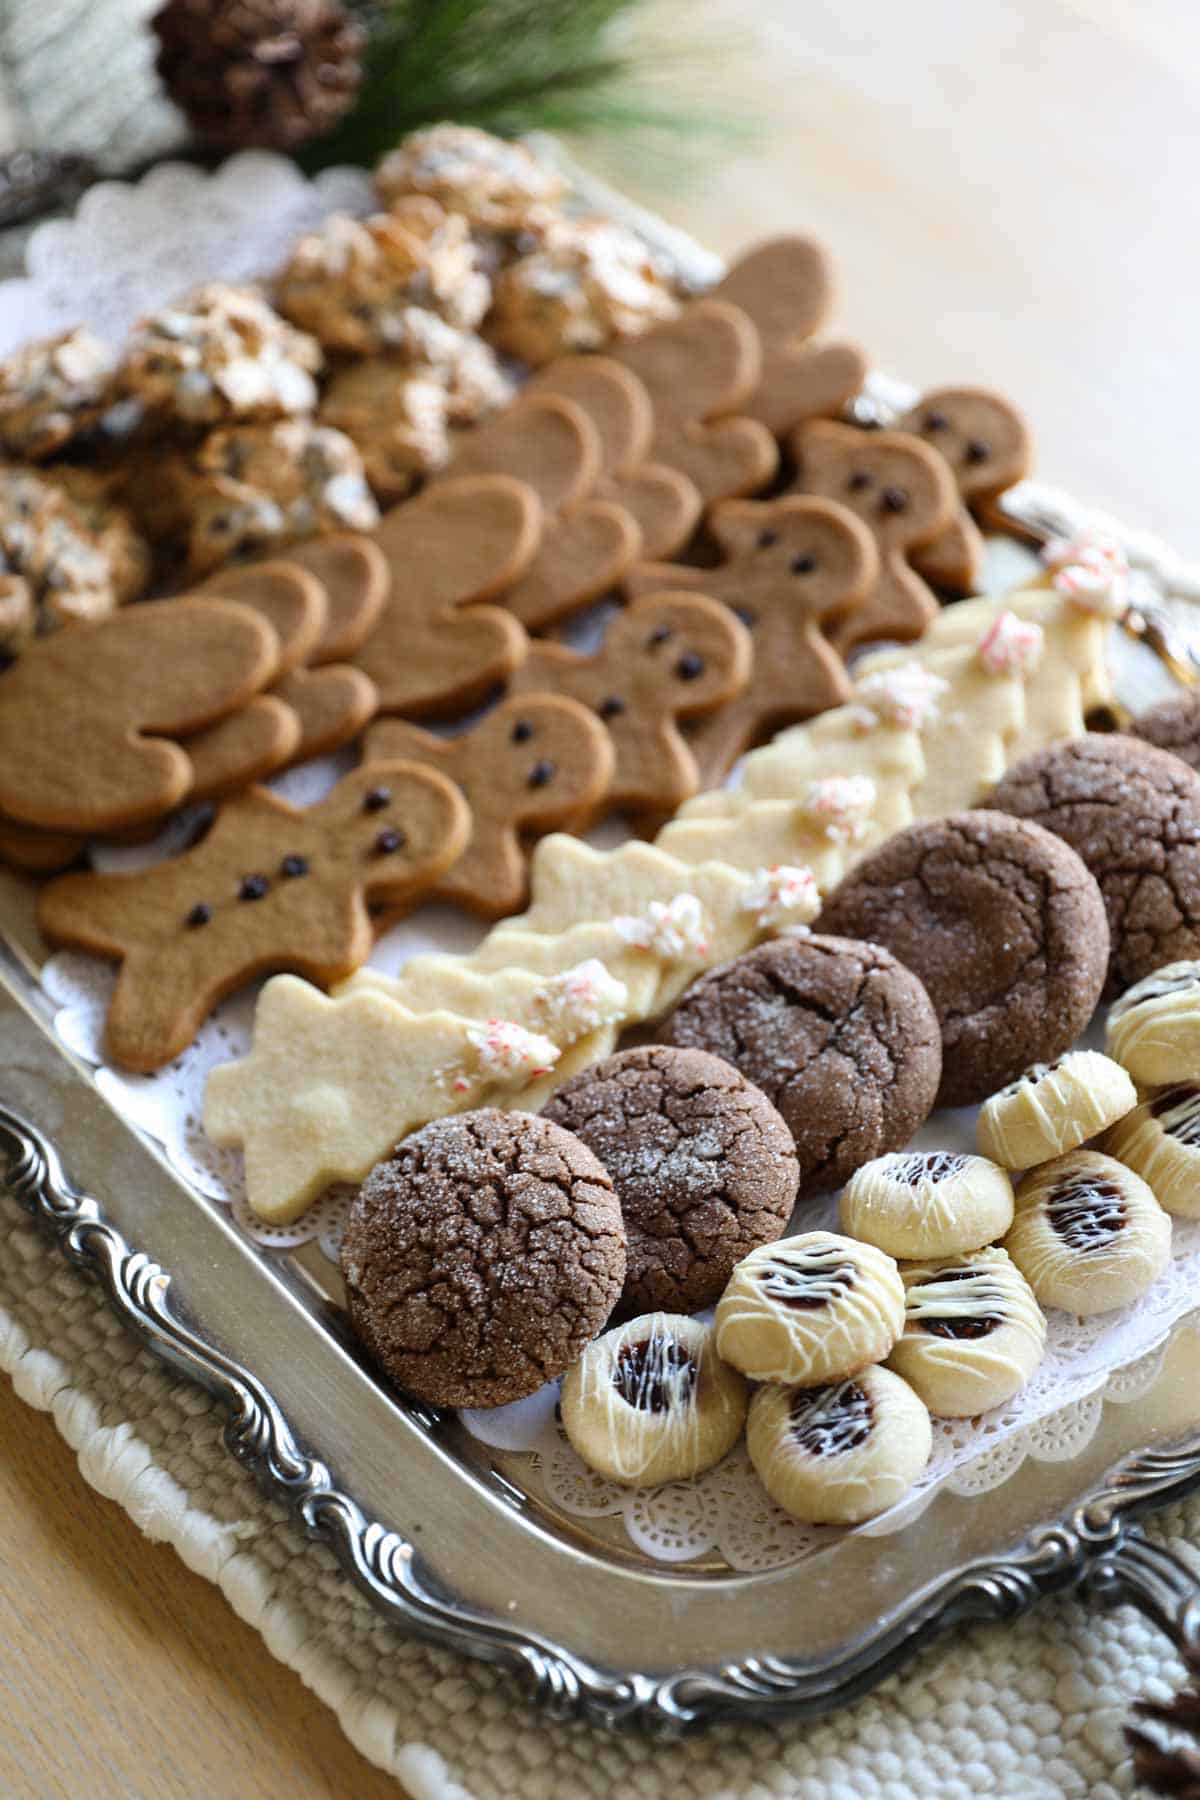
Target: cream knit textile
[(1031, 1709)]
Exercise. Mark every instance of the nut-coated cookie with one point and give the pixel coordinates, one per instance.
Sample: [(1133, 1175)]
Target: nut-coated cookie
[(483, 1257), (840, 1037), (1132, 812), (1004, 926), (703, 1166)]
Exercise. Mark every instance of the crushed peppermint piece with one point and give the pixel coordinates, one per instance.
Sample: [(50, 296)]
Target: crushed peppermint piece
[(840, 804), (779, 891), (508, 1052), (905, 696), (1091, 570), (674, 928), (1011, 645), (583, 998)]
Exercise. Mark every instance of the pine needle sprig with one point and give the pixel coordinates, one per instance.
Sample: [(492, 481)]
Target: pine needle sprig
[(507, 65)]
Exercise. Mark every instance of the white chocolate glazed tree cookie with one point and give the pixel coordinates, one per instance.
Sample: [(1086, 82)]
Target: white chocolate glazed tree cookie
[(1052, 1108), (927, 1203), (1088, 1235), (1160, 1141), (841, 1454), (651, 1401), (810, 1309), (974, 1333)]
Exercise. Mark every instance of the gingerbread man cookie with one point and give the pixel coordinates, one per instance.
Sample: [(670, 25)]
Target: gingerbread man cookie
[(698, 370), (84, 715), (794, 570), (664, 503), (354, 573), (904, 493), (435, 649), (665, 658), (987, 445), (270, 887), (528, 767), (550, 443), (785, 287)]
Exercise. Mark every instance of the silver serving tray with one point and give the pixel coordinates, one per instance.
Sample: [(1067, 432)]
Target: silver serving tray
[(434, 1533)]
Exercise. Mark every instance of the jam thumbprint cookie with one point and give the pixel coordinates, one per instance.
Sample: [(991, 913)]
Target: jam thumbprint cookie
[(1089, 1235), (974, 1333), (1154, 1028), (839, 1454), (928, 1203), (651, 1401), (1160, 1141), (1054, 1107), (810, 1309)]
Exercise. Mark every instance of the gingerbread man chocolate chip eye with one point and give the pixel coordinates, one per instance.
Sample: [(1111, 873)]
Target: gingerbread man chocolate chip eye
[(531, 765), (795, 571), (905, 495), (698, 370), (665, 658), (435, 649), (269, 888), (85, 713), (664, 504), (988, 447), (785, 287)]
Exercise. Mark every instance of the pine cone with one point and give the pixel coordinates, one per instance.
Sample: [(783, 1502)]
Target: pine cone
[(259, 72)]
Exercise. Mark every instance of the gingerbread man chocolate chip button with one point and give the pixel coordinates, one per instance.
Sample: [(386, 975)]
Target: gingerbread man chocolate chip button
[(270, 887), (785, 287), (665, 658), (530, 766), (795, 570), (987, 445), (904, 493), (85, 714)]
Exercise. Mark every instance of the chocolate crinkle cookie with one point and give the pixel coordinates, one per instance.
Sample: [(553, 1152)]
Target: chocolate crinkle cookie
[(1173, 725), (703, 1165), (1132, 812), (840, 1036), (1004, 926), (482, 1257)]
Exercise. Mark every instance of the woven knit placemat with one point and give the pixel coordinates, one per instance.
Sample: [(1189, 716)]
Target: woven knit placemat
[(1029, 1709)]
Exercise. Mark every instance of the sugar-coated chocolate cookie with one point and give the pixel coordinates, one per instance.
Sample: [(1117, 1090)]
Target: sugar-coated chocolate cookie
[(1088, 1235), (1174, 725), (1002, 923), (1132, 812), (1160, 1141), (1052, 1108), (1153, 1030), (482, 1257), (927, 1203), (651, 1401), (839, 1035), (269, 887), (840, 1454), (974, 1333), (703, 1166), (810, 1309)]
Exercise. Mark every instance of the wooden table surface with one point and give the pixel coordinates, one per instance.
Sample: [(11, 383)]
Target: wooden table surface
[(1009, 193)]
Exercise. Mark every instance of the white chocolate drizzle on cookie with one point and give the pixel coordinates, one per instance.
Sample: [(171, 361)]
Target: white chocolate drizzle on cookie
[(1160, 1141), (582, 999), (927, 1203), (839, 805), (1054, 1107), (1011, 643), (1091, 570), (651, 1401), (507, 1052), (810, 1309), (905, 697), (1089, 1234), (1154, 1028), (675, 929), (974, 1334)]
